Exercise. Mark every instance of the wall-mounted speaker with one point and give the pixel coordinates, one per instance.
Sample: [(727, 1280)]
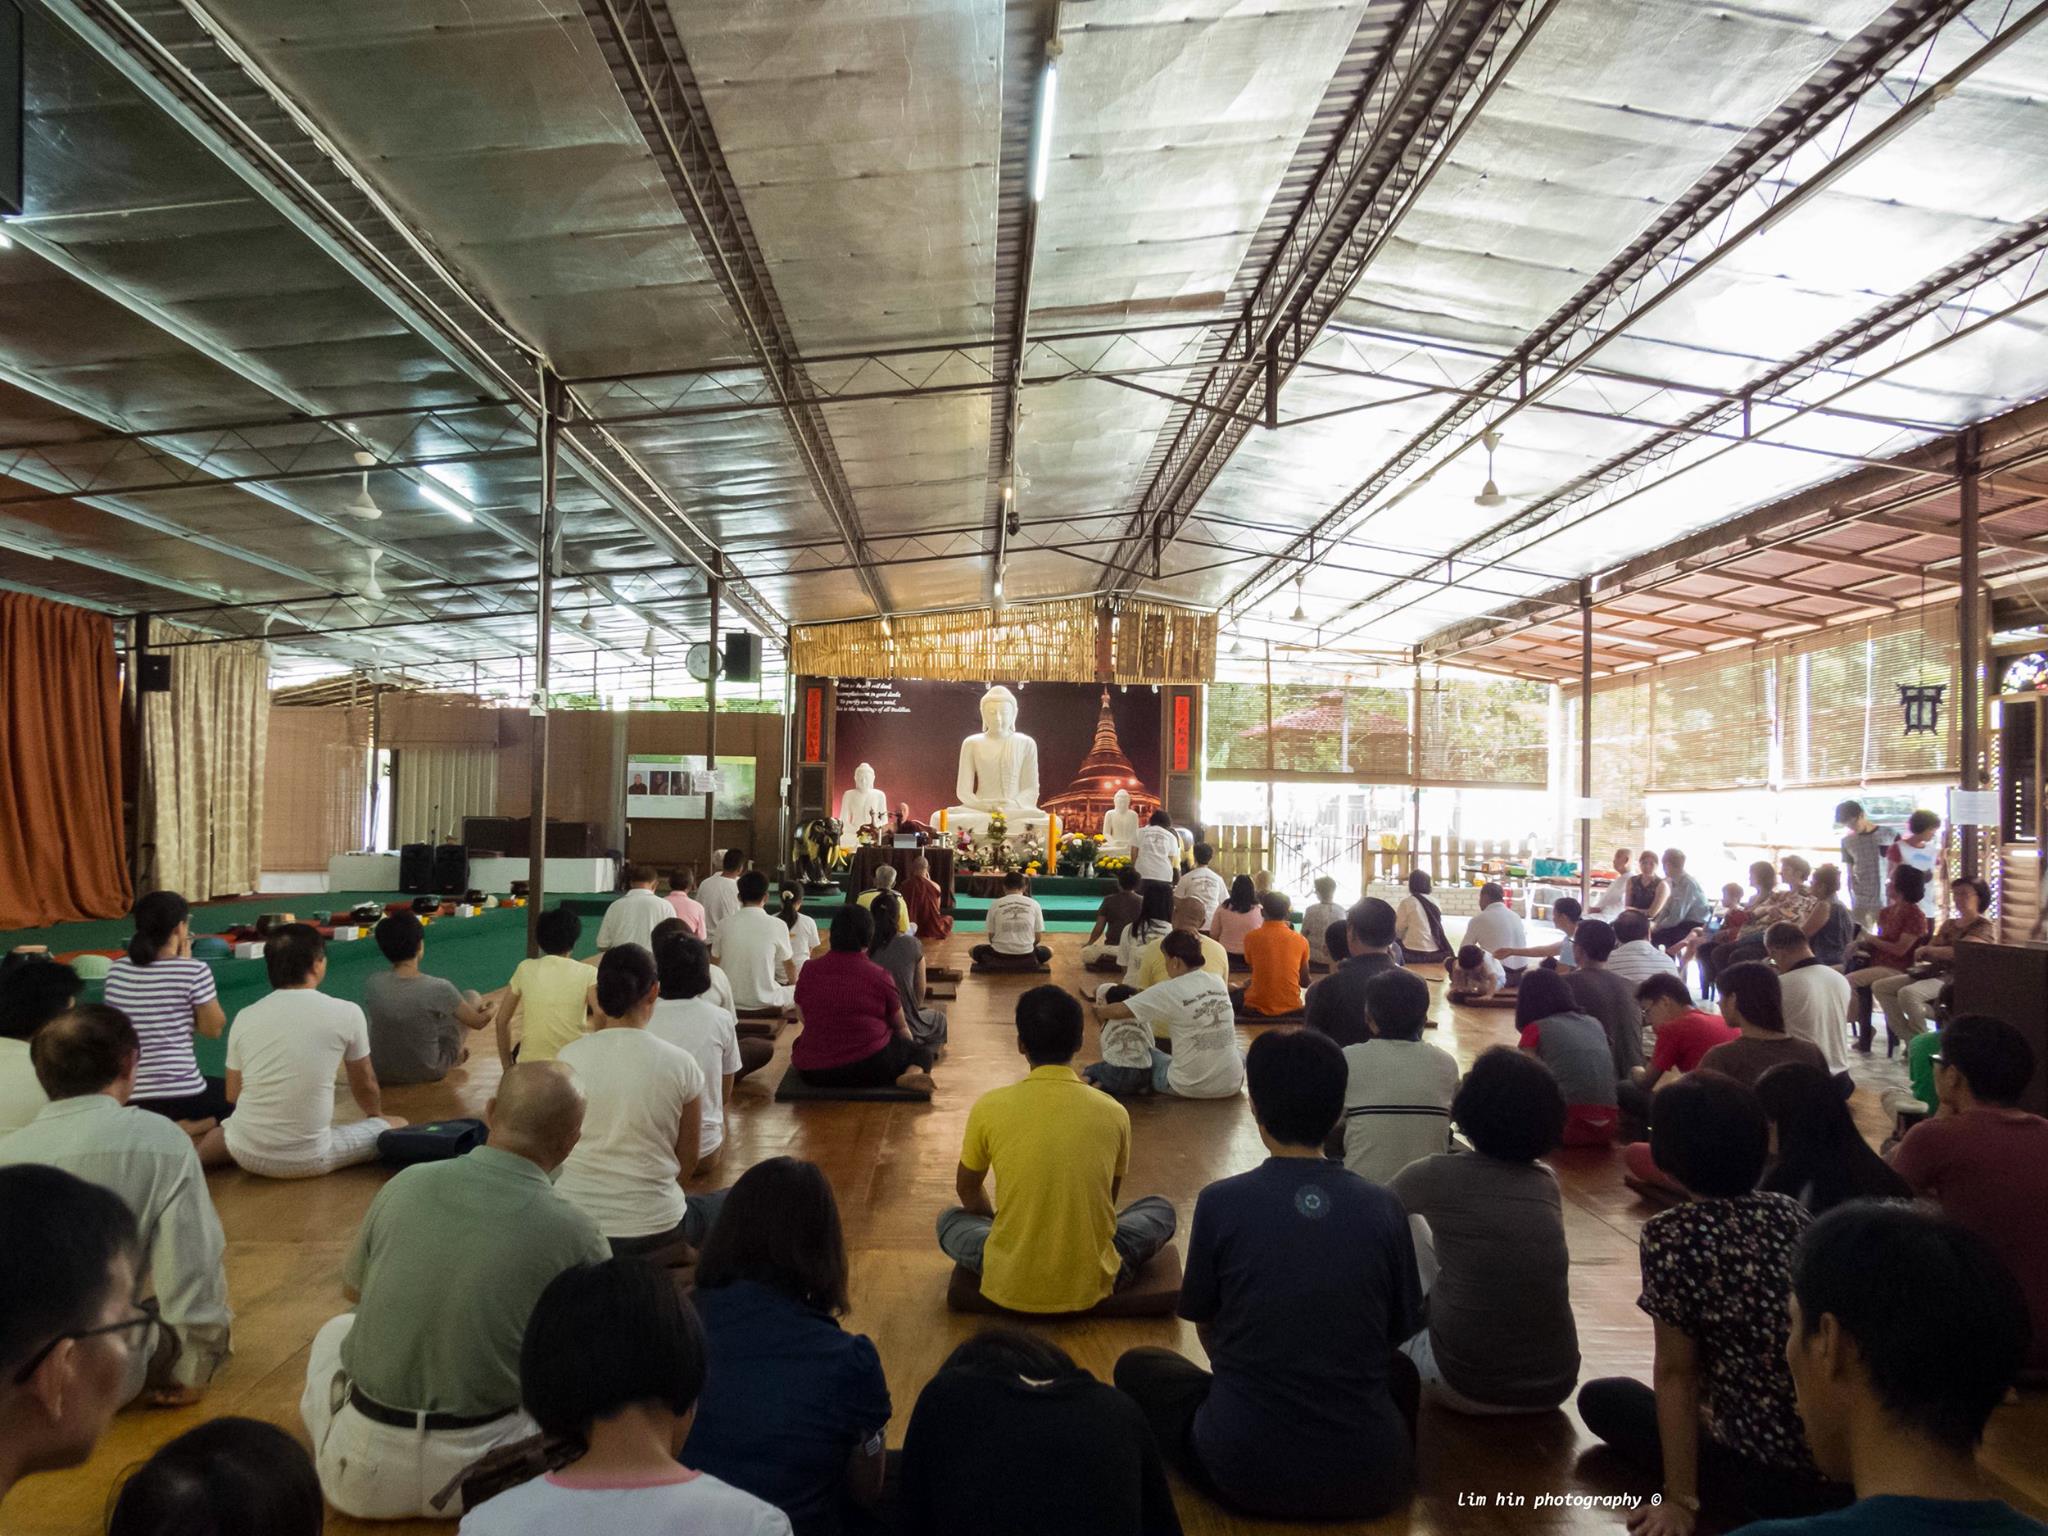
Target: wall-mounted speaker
[(742, 657), (810, 791), (153, 674)]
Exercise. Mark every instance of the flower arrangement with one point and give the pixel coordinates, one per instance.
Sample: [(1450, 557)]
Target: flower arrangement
[(1078, 852), (1111, 863)]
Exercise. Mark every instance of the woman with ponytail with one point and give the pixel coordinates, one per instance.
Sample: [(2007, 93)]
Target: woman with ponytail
[(166, 995)]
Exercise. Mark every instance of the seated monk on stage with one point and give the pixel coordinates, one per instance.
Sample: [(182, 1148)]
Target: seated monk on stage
[(905, 822), (924, 901)]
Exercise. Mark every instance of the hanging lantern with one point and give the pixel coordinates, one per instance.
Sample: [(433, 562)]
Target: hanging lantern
[(1920, 704)]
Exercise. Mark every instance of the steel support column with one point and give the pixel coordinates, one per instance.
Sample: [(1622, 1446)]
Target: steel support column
[(1585, 741), (711, 737), (1970, 634), (550, 532)]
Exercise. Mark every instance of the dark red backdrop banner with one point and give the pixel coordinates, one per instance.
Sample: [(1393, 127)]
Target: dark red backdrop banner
[(910, 732), (60, 765)]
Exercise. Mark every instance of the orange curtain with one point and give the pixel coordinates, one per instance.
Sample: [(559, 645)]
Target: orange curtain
[(60, 765)]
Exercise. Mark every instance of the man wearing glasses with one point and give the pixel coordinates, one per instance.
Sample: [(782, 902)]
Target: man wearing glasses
[(69, 1326), (85, 1061)]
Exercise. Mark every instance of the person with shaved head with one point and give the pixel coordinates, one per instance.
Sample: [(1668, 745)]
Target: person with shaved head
[(423, 1377)]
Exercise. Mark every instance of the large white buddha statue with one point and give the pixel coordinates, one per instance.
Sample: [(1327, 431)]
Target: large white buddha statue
[(861, 806), (1120, 826), (998, 772)]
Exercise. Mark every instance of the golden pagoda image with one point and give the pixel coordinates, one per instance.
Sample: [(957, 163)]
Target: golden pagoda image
[(1103, 772)]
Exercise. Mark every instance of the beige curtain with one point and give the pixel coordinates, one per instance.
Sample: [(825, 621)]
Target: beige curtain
[(316, 771), (201, 805), (439, 786)]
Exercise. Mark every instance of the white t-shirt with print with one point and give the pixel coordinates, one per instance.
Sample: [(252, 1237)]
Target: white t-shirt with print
[(623, 1172), (1203, 884), (288, 1047), (1196, 1011), (719, 896), (711, 1035), (695, 1504), (1157, 854), (1014, 923), (753, 946)]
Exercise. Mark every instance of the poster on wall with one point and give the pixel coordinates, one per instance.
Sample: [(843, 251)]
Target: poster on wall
[(1091, 741), (672, 788)]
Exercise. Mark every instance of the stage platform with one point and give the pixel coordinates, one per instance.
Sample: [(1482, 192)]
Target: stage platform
[(473, 952)]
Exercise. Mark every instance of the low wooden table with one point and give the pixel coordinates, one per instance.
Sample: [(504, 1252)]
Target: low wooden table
[(868, 859)]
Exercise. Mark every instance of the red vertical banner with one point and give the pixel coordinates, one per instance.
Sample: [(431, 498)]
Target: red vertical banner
[(1182, 750), (814, 723)]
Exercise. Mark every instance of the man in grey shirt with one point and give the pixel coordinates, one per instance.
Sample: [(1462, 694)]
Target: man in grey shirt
[(1863, 852), (85, 1060), (416, 1021), (1606, 996)]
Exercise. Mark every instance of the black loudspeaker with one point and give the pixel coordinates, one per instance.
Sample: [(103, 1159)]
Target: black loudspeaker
[(451, 869), (742, 658), (153, 675), (810, 790), (416, 868)]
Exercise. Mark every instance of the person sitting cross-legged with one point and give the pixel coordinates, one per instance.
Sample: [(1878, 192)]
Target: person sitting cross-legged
[(1015, 926), (794, 1405), (1193, 1030), (1984, 1160), (1233, 919), (924, 903), (1316, 921), (1576, 1049), (1005, 1388), (282, 1055), (1497, 929), (1145, 961), (854, 1033), (1816, 998), (1895, 1399), (1720, 1424), (1301, 1280), (1398, 1087), (33, 991), (1279, 959), (1491, 1246), (70, 1331), (1635, 959), (687, 1017), (550, 994), (1336, 1004), (902, 956), (1419, 925), (1120, 908), (1685, 1034), (753, 946), (612, 1365), (642, 1125), (422, 1379), (417, 1021), (1608, 996), (1203, 883), (1058, 1151), (87, 1060)]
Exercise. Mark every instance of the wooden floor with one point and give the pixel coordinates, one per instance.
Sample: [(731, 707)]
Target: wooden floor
[(892, 1165)]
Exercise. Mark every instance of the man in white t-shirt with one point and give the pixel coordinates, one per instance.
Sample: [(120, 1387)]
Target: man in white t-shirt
[(1203, 884), (689, 1017), (1192, 1009), (1156, 856), (282, 1054), (1015, 925), (1612, 897), (1635, 959), (719, 894), (633, 917), (753, 947), (1817, 998), (1498, 926), (1398, 1087)]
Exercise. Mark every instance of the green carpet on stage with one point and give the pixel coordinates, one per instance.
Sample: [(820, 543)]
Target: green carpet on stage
[(473, 952)]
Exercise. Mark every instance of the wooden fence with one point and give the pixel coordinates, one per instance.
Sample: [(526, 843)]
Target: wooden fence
[(1357, 866)]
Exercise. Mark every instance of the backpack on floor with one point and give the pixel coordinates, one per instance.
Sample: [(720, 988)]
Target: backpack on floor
[(434, 1142)]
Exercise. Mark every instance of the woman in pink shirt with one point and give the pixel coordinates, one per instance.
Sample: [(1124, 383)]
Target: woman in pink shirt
[(688, 907), (1235, 918), (854, 1034)]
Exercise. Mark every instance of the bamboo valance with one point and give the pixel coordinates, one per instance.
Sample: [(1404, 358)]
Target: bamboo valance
[(1074, 640)]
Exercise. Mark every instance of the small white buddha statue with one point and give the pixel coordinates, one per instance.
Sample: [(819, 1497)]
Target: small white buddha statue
[(862, 806), (1120, 826)]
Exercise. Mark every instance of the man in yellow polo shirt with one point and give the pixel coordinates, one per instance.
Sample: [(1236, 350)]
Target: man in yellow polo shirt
[(1058, 1150)]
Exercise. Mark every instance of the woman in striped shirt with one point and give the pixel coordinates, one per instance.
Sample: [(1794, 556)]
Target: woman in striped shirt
[(167, 995)]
